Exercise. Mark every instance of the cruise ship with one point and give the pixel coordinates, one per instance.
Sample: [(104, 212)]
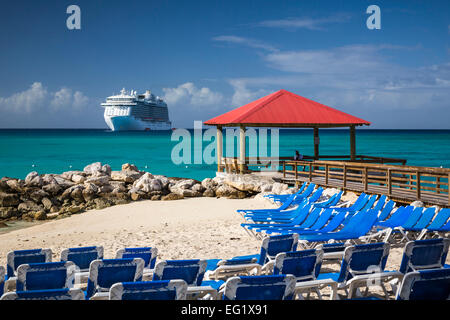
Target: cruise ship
[(131, 111)]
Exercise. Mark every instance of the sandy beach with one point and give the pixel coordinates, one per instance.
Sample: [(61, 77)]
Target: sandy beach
[(190, 228)]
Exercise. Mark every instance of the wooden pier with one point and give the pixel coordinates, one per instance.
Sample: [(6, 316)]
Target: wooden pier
[(400, 183)]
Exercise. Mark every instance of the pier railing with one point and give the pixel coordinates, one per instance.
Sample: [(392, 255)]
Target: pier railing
[(427, 184)]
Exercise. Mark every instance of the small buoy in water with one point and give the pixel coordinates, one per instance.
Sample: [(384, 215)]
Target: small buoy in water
[(146, 167), (186, 166), (70, 166), (33, 165)]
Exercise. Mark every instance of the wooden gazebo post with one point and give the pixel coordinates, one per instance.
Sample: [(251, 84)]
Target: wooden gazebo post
[(242, 149), (316, 143), (219, 145), (352, 143)]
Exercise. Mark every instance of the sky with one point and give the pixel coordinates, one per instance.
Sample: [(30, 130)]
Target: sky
[(208, 57)]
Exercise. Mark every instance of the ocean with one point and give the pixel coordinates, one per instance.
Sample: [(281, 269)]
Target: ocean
[(56, 151)]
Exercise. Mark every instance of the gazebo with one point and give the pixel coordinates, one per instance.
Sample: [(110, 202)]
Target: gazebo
[(284, 109)]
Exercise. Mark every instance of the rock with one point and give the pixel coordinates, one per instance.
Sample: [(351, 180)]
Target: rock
[(125, 176), (156, 197), (29, 178), (8, 212), (38, 195), (164, 181), (15, 185), (40, 215), (172, 196), (9, 199), (74, 209), (52, 215), (198, 188), (77, 194), (417, 204), (78, 178), (209, 183), (3, 225), (99, 180), (28, 206), (227, 191), (52, 188), (147, 183), (189, 193), (136, 195), (278, 188), (69, 174), (209, 193), (63, 183), (129, 167), (101, 203), (349, 196), (90, 191), (4, 187), (93, 168), (48, 179), (47, 203), (328, 192), (106, 169)]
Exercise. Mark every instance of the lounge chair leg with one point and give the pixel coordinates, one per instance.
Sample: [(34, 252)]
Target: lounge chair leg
[(318, 293)]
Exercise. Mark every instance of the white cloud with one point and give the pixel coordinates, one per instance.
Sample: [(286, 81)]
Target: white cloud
[(25, 101), (190, 94), (293, 23), (37, 98), (247, 42), (243, 95)]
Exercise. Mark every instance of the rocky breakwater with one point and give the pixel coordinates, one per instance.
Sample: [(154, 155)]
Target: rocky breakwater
[(49, 196)]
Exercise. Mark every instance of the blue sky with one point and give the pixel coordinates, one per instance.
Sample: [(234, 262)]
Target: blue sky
[(207, 57)]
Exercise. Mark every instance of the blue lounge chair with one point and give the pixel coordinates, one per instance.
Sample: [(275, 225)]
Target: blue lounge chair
[(104, 273), (362, 265), (327, 222), (50, 294), (82, 257), (226, 268), (386, 211), (149, 290), (284, 216), (412, 219), (148, 254), (293, 199), (47, 275), (18, 257), (270, 247), (192, 271), (438, 222), (397, 218), (424, 254), (303, 265), (272, 287), (410, 232), (356, 228), (425, 285), (357, 205)]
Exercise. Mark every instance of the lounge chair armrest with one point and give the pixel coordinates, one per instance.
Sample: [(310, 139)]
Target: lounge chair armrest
[(10, 285), (305, 285), (373, 279), (100, 296), (193, 290)]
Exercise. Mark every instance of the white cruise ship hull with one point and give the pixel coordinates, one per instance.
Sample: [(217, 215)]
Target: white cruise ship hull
[(127, 123)]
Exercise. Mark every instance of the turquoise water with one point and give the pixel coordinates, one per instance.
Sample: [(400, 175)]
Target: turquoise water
[(56, 151)]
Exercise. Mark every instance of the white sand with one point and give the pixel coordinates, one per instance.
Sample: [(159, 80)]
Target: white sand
[(181, 229)]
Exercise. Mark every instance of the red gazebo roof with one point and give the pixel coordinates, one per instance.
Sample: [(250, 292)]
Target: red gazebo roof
[(286, 109)]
